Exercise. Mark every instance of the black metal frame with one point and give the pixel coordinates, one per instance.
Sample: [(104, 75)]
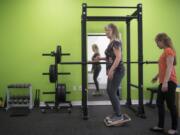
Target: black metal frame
[(136, 15)]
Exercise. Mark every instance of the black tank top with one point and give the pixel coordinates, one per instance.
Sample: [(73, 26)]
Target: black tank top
[(110, 56), (97, 65)]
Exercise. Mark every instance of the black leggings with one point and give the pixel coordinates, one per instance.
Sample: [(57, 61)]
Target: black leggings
[(95, 76), (169, 96)]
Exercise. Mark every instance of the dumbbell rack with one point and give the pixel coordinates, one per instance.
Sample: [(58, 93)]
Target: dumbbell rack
[(60, 89), (19, 101)]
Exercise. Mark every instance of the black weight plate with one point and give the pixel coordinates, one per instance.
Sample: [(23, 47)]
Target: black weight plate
[(52, 73), (61, 92)]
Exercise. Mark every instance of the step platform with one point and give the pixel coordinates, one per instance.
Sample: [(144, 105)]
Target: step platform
[(118, 123)]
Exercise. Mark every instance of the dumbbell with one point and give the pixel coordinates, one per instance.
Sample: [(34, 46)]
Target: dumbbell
[(20, 101), (26, 101), (25, 97)]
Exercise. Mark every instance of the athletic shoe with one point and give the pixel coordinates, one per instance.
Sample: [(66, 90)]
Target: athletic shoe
[(157, 129), (96, 93), (115, 119), (172, 132), (109, 116)]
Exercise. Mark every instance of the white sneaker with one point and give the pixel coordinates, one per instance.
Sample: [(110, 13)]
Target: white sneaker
[(96, 93), (172, 132), (157, 129), (116, 118), (109, 116)]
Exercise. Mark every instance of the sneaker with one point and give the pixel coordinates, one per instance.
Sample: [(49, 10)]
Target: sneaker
[(157, 129), (172, 132), (116, 118), (109, 116), (96, 93)]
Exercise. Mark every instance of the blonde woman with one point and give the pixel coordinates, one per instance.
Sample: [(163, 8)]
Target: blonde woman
[(96, 68), (115, 71), (167, 83)]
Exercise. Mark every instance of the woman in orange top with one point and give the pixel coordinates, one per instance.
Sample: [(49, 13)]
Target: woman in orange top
[(168, 83)]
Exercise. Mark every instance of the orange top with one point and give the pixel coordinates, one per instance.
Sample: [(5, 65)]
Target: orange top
[(162, 65)]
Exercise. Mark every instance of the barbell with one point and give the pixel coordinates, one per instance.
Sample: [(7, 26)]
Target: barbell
[(85, 63), (58, 54), (53, 72)]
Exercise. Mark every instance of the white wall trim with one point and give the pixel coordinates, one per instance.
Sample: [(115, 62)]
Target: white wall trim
[(105, 102), (104, 34)]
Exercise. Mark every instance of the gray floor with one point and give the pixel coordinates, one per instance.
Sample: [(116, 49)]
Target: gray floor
[(63, 123)]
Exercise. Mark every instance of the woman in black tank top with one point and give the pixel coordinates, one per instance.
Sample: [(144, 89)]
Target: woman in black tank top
[(96, 68), (115, 71)]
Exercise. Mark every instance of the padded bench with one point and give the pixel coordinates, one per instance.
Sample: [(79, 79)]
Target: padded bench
[(153, 91)]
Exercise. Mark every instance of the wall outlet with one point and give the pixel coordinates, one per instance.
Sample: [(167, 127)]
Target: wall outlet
[(74, 88), (80, 88)]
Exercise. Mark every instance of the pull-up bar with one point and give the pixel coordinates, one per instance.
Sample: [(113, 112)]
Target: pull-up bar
[(110, 18), (110, 7)]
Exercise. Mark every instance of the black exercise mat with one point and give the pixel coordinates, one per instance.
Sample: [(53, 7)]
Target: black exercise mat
[(19, 111)]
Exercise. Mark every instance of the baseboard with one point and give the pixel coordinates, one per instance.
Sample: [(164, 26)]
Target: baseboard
[(105, 102)]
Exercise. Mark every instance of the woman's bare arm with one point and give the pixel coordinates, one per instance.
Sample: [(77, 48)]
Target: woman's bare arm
[(169, 63)]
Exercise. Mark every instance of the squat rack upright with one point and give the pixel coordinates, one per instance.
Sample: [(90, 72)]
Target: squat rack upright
[(137, 14)]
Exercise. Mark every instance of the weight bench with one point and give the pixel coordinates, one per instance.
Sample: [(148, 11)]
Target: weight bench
[(153, 91)]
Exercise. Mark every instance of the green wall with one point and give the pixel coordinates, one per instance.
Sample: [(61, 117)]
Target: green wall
[(32, 27)]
